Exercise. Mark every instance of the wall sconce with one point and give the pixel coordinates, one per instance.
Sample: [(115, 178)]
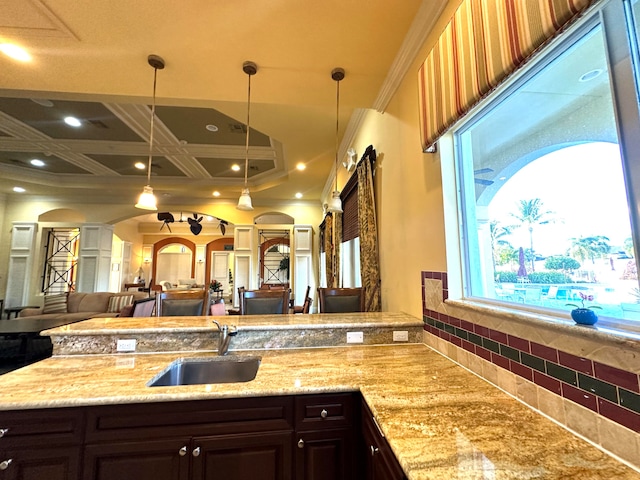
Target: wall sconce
[(200, 260), (350, 162), (147, 261)]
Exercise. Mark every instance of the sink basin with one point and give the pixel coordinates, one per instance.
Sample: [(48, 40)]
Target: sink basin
[(193, 371)]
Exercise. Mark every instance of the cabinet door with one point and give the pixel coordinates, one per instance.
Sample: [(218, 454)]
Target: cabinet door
[(379, 462), (325, 455), (152, 460), (261, 456), (40, 463)]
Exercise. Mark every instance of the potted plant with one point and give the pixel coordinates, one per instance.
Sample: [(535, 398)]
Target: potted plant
[(584, 315), (215, 286)]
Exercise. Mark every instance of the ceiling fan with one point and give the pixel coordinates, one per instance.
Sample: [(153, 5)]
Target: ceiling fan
[(194, 222), (166, 218), (482, 181)]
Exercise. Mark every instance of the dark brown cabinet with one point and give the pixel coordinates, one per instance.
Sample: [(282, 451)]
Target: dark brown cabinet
[(325, 437), (377, 459), (218, 439), (38, 444)]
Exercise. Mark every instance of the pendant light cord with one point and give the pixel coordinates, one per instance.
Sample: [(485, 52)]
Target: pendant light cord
[(337, 123), (153, 115), (246, 145)]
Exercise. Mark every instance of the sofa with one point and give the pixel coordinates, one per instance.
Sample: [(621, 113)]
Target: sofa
[(77, 306)]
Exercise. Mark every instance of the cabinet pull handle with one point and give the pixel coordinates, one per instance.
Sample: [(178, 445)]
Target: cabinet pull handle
[(183, 451), (5, 464), (377, 426), (3, 431), (301, 443), (374, 450), (196, 452), (324, 413)]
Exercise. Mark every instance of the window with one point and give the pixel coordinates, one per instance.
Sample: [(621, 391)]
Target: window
[(544, 188)]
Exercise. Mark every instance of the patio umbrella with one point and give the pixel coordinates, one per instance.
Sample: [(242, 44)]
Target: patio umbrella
[(522, 270)]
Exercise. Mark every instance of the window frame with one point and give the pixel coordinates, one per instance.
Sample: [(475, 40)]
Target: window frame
[(623, 69)]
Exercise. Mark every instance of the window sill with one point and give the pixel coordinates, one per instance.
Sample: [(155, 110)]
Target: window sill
[(610, 330)]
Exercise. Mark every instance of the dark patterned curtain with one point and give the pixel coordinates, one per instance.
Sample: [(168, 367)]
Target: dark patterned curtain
[(337, 241), (328, 248), (369, 258)]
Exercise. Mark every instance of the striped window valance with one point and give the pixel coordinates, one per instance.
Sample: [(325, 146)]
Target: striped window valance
[(484, 42)]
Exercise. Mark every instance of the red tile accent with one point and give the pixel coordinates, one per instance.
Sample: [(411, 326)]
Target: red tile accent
[(547, 382), (521, 370), (619, 414), (468, 346), (500, 360), (454, 321), (579, 396), (437, 275), (466, 325), (445, 295), (456, 340), (445, 280), (519, 343), (545, 352), (483, 331), (583, 365), (498, 336), (444, 318), (483, 352), (428, 274), (616, 376), (445, 335)]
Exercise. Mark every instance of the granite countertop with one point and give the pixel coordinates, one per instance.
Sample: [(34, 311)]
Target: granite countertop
[(441, 421)]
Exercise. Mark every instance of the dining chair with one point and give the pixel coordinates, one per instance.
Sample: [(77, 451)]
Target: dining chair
[(177, 303), (305, 303), (341, 300), (143, 307), (264, 302)]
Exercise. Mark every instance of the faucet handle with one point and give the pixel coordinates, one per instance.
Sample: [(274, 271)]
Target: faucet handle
[(217, 324)]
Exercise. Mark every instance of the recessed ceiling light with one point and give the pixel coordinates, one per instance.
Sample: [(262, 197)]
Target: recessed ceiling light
[(298, 195), (235, 167), (590, 75), (301, 166), (216, 193), (211, 128), (15, 52), (19, 189), (72, 121), (43, 102), (140, 165), (36, 162)]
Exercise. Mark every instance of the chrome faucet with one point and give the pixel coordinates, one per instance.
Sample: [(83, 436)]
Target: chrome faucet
[(226, 332)]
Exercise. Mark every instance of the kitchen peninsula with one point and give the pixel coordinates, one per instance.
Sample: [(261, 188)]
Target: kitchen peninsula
[(441, 421)]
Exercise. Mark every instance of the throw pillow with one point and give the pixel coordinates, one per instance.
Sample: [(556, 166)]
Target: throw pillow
[(55, 303), (118, 301)]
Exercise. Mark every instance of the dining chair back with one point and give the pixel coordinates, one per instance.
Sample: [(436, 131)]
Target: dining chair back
[(177, 303), (305, 303), (143, 307), (264, 302), (341, 300)]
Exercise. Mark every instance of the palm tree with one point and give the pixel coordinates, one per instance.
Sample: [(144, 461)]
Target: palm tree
[(590, 247), (530, 214), (498, 232)]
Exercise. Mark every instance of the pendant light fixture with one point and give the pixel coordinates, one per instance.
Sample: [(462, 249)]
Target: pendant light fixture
[(244, 202), (147, 200), (335, 204)]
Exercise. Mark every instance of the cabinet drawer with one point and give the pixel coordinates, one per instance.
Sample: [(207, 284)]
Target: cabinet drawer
[(201, 417), (315, 412), (41, 427)]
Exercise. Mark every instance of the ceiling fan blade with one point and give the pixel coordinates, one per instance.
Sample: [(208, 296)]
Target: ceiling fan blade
[(223, 229)]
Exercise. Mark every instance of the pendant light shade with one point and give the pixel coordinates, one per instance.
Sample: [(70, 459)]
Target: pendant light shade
[(147, 200), (244, 202), (335, 204)]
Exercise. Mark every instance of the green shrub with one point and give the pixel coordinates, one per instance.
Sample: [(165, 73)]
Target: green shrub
[(560, 262), (549, 277), (509, 277)]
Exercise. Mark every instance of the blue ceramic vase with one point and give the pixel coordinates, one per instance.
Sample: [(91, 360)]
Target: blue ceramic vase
[(584, 316)]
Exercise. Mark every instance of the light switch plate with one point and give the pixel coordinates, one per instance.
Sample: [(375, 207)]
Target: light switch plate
[(126, 345), (400, 336), (355, 337)]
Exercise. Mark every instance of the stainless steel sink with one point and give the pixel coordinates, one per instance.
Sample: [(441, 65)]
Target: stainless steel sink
[(192, 371)]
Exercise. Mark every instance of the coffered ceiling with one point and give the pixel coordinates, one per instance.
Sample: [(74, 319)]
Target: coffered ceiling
[(89, 60)]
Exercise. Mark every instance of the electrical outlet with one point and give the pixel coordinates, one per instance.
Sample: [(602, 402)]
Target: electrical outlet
[(126, 345), (355, 337), (400, 336)]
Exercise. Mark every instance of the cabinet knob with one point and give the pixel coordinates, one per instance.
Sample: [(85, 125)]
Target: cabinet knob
[(374, 450), (324, 413), (301, 443), (5, 464), (183, 451), (3, 431), (196, 452)]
